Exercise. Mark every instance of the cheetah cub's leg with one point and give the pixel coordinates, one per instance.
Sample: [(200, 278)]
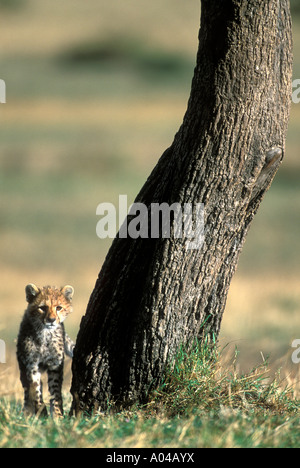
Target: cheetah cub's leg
[(55, 379), (69, 346), (33, 393)]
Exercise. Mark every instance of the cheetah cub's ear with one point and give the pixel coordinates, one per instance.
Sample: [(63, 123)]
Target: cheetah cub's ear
[(68, 292), (31, 292)]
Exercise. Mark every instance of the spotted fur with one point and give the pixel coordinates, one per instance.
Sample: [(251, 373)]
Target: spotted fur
[(41, 345)]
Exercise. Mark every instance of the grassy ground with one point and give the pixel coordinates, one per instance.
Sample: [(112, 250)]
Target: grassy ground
[(201, 403), (95, 94)]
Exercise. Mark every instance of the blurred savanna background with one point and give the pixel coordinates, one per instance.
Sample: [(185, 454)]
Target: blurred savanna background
[(96, 91)]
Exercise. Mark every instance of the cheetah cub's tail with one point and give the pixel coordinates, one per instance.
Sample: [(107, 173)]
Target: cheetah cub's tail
[(69, 346)]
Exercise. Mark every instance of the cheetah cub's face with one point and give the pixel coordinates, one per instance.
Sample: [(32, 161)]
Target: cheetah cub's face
[(49, 306)]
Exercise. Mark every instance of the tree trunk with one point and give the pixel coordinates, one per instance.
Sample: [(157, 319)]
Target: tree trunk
[(153, 295)]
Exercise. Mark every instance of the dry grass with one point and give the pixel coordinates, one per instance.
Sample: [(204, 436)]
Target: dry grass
[(89, 113), (42, 28)]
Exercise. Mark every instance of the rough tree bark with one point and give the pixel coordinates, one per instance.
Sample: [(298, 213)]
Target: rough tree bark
[(152, 295)]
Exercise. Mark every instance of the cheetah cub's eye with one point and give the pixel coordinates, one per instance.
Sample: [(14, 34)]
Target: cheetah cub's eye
[(59, 308), (43, 308)]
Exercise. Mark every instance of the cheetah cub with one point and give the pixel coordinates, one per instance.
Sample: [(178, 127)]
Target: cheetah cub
[(41, 345)]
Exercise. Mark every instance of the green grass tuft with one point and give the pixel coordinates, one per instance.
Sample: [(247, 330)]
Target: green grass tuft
[(199, 382)]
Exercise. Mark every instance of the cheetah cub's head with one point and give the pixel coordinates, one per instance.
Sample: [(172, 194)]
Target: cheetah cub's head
[(49, 306)]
